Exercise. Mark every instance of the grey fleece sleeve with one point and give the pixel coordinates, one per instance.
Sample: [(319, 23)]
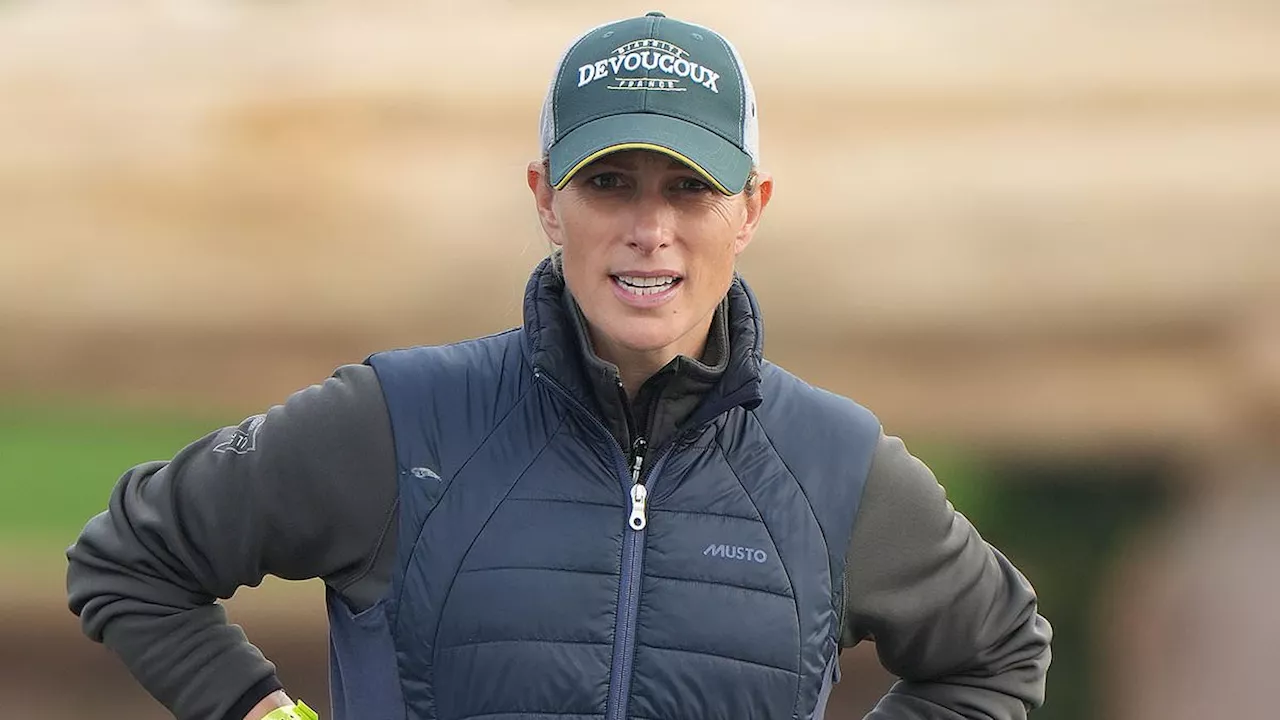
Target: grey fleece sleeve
[(949, 615), (306, 490)]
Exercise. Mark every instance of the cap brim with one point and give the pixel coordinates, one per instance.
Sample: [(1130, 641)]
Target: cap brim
[(723, 164)]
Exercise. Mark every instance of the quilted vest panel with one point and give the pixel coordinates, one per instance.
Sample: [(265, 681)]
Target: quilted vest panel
[(520, 592)]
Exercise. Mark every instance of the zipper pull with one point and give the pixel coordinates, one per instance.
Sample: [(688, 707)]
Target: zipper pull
[(637, 458), (639, 494)]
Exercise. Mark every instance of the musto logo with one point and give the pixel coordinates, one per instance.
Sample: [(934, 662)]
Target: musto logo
[(736, 552), (649, 55)]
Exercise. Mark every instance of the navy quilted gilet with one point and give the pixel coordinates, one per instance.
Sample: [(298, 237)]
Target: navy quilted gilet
[(519, 589)]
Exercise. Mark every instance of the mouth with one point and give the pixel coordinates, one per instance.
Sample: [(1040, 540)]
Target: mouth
[(646, 285)]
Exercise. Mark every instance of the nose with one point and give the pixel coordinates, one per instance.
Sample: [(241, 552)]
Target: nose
[(653, 223)]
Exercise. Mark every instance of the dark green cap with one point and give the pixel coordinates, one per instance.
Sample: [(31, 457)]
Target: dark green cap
[(652, 83)]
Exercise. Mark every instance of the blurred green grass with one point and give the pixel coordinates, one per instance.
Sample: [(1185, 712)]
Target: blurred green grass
[(59, 464)]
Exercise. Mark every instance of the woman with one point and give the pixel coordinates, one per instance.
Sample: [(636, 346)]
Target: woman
[(618, 510)]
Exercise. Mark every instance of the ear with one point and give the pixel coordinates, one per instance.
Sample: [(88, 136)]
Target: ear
[(543, 198), (756, 203)]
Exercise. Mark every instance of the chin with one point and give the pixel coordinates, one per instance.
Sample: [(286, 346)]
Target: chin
[(644, 335)]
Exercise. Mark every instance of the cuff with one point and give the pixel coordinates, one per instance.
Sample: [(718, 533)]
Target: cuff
[(253, 696)]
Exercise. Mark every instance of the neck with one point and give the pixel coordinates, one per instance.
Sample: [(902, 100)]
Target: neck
[(636, 366)]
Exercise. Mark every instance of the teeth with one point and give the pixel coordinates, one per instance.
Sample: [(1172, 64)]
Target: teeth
[(646, 281), (645, 285)]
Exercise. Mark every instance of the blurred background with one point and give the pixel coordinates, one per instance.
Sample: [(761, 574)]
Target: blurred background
[(1040, 240)]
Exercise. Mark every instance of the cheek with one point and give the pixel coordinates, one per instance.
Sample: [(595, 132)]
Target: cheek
[(717, 237), (721, 226), (587, 230), (585, 254), (730, 213), (717, 253)]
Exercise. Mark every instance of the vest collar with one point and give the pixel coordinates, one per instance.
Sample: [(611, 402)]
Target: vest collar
[(553, 349)]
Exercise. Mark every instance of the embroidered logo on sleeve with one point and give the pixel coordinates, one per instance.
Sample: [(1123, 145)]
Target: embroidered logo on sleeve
[(244, 439)]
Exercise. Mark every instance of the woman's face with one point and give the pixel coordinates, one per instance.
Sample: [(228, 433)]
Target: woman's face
[(648, 247)]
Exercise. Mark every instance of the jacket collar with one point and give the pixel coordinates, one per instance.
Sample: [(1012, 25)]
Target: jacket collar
[(552, 345)]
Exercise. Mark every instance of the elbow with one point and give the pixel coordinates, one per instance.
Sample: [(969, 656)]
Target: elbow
[(1017, 663), (1040, 649), (1029, 647), (1023, 655), (1019, 666), (1012, 681), (105, 581), (82, 599), (89, 583)]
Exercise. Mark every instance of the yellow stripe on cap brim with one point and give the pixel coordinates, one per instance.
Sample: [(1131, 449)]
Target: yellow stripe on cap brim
[(641, 146)]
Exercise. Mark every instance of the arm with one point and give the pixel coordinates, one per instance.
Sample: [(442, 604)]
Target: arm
[(949, 615), (277, 699), (305, 491)]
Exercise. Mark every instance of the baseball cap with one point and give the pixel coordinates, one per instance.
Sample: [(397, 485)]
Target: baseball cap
[(652, 83)]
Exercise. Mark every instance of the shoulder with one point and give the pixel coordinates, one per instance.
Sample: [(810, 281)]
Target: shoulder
[(489, 349), (818, 434), (349, 399), (491, 358), (825, 441), (790, 400), (343, 416), (474, 383)]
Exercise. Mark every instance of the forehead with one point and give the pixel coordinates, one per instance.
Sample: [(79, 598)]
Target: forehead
[(638, 160)]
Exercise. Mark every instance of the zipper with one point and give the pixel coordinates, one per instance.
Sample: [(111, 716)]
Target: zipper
[(624, 633), (624, 639), (632, 553)]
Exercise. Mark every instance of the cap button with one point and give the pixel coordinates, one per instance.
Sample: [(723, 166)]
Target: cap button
[(655, 13)]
